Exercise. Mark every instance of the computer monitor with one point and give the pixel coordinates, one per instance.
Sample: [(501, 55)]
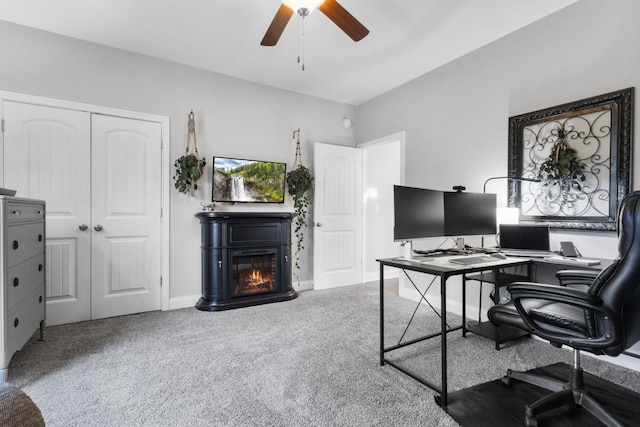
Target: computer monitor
[(524, 236), (421, 213), (469, 214), (418, 213)]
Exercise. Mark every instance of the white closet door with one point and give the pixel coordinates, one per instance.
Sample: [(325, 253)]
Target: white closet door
[(126, 216), (46, 156)]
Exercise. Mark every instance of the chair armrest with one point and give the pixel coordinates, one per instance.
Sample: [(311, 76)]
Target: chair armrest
[(554, 293), (608, 322), (576, 277)]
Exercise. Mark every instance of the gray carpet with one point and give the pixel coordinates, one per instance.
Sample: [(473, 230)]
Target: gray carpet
[(309, 361)]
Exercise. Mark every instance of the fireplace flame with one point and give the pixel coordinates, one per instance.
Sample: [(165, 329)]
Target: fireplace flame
[(255, 278)]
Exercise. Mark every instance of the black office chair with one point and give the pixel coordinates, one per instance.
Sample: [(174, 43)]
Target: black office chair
[(604, 319)]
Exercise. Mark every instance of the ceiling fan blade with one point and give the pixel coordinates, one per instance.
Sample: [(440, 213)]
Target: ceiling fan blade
[(277, 26), (344, 20)]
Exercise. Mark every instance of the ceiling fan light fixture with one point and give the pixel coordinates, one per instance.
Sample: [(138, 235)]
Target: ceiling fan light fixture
[(297, 5)]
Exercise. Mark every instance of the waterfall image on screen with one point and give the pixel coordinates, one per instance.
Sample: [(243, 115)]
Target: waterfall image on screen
[(237, 189), (252, 181)]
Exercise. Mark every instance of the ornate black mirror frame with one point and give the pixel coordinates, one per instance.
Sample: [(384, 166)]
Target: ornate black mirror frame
[(597, 134)]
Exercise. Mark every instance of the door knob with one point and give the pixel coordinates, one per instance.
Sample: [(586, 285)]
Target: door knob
[(318, 224), (98, 227), (83, 227)]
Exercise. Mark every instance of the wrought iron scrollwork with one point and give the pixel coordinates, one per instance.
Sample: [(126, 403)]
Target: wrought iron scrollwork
[(599, 129)]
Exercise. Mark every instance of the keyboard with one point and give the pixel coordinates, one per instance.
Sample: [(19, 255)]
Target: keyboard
[(473, 259)]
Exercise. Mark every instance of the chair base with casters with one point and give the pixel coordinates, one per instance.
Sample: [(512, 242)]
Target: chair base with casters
[(564, 393)]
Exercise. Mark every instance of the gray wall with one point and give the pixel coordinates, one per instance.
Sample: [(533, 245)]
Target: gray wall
[(456, 117), (233, 117)]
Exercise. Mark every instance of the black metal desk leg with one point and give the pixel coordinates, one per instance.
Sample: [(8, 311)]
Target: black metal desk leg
[(496, 300), (443, 331), (381, 315), (464, 305)]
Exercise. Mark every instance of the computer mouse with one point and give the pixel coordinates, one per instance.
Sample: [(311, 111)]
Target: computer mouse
[(499, 255)]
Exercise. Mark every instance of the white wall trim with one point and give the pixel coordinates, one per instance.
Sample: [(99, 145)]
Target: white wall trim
[(191, 300), (306, 285), (453, 306), (183, 302), (166, 164), (368, 276)]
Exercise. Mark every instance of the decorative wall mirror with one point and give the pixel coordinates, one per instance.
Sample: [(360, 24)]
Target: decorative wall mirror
[(581, 153)]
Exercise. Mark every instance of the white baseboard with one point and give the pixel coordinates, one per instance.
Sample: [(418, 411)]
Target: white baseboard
[(374, 276), (183, 302), (303, 286), (453, 306), (191, 300)]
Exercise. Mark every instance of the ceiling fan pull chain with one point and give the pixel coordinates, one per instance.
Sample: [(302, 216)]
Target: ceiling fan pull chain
[(298, 39), (303, 42)]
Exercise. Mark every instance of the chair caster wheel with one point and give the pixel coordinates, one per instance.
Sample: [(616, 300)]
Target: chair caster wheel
[(506, 380), (530, 421)]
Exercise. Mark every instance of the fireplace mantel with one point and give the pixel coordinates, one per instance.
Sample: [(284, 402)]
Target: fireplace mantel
[(246, 259)]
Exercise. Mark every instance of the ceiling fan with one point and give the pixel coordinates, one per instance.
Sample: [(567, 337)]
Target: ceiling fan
[(331, 8)]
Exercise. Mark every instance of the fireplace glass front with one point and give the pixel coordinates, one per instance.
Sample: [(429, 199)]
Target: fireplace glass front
[(253, 273)]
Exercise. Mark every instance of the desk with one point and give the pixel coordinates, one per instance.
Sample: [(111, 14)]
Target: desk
[(442, 268)]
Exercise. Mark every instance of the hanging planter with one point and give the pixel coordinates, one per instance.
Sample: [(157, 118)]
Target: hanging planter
[(299, 182), (562, 170), (189, 168)]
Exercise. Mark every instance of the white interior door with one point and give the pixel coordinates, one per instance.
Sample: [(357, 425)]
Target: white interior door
[(46, 156), (337, 233), (126, 216)]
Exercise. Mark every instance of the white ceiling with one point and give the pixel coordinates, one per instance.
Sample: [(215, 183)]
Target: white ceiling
[(407, 37)]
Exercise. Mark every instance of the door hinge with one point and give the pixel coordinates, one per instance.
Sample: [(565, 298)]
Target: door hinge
[(2, 125), (160, 281)]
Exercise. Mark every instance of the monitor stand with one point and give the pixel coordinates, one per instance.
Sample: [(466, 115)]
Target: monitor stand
[(407, 249)]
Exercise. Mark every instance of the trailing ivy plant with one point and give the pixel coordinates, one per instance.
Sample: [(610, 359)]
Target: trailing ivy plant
[(562, 168), (188, 170), (299, 182)]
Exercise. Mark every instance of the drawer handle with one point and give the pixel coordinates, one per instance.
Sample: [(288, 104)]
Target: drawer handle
[(40, 267), (15, 244), (16, 281), (15, 323), (17, 212), (39, 237)]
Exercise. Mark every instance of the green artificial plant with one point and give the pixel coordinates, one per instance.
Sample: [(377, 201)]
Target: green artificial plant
[(299, 183), (189, 168), (562, 168)]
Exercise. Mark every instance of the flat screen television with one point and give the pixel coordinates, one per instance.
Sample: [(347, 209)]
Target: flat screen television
[(247, 181)]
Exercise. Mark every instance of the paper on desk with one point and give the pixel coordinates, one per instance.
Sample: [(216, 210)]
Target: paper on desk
[(569, 261)]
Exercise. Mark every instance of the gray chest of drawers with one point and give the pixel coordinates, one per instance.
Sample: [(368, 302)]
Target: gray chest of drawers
[(22, 275)]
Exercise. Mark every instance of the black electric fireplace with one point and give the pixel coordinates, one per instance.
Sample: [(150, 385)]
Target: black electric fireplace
[(246, 259)]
